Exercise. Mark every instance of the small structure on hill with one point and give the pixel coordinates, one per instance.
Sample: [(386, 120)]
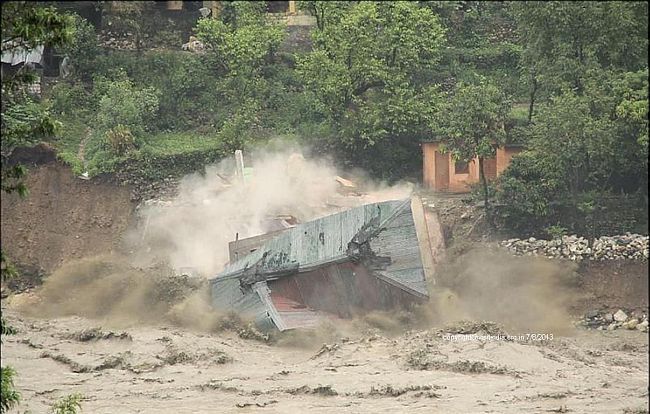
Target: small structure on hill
[(16, 57), (377, 256), (442, 173)]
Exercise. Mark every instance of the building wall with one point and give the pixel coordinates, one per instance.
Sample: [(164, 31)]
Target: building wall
[(504, 156), (428, 164), (439, 170)]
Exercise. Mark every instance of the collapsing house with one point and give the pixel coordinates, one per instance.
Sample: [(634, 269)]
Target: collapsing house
[(377, 256)]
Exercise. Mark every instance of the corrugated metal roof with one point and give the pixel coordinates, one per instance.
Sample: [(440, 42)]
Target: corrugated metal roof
[(15, 55), (320, 241), (382, 236), (228, 295)]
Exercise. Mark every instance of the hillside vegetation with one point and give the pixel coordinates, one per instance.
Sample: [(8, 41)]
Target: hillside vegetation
[(569, 80)]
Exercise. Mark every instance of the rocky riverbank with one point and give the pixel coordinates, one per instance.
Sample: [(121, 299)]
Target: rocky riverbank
[(620, 319), (622, 247)]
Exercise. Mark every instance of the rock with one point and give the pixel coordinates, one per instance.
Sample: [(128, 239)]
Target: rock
[(591, 314), (608, 317), (611, 326), (643, 326), (620, 316), (631, 324)]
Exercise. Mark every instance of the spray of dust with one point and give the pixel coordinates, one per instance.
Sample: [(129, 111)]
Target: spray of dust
[(110, 290), (193, 230), (525, 294)]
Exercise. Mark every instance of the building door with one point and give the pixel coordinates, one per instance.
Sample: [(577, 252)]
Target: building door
[(442, 172)]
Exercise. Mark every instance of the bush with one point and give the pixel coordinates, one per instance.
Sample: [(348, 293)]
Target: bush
[(525, 191), (120, 139), (72, 100), (189, 97), (121, 103), (10, 397), (237, 130), (70, 404), (83, 49)]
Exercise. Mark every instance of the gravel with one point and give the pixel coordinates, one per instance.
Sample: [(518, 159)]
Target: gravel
[(623, 247), (603, 320)]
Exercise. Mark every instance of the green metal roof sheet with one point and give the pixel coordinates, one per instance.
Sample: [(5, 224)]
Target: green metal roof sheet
[(381, 236)]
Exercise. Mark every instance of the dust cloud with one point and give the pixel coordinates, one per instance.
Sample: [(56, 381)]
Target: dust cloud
[(525, 294), (522, 294), (193, 230), (110, 289)]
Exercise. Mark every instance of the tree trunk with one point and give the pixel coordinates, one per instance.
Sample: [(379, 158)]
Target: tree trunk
[(486, 196), (532, 100)]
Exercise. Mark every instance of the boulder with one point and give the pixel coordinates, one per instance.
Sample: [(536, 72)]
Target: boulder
[(620, 316)]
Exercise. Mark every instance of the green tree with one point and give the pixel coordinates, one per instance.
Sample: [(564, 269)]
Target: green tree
[(241, 48), (240, 45), (580, 151), (633, 105), (472, 126), (238, 14), (25, 26), (122, 103), (83, 49), (564, 41), (325, 12), (132, 18), (366, 74), (374, 46)]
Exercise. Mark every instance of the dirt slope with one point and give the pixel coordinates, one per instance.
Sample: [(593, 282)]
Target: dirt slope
[(62, 218)]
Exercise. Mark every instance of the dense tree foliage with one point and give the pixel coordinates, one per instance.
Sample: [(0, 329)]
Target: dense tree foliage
[(367, 75), (25, 26), (587, 65), (568, 80)]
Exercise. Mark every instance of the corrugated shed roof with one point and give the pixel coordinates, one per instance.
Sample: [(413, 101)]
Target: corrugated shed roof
[(312, 244), (228, 295), (398, 240), (17, 54), (382, 236)]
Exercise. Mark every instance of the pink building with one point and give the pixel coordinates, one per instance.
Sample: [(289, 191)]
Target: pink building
[(442, 173)]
